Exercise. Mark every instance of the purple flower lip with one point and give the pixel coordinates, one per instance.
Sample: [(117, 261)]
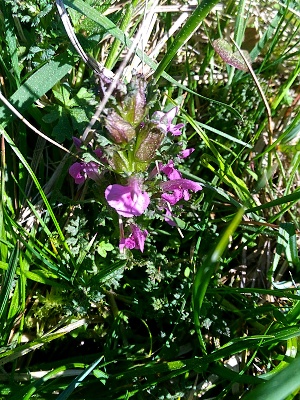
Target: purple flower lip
[(128, 201), (136, 239), (171, 172), (180, 188), (81, 170), (164, 121), (77, 142), (181, 184), (186, 153)]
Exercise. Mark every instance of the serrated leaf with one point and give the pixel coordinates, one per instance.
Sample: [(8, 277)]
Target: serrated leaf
[(51, 117), (103, 248), (62, 94), (63, 130)]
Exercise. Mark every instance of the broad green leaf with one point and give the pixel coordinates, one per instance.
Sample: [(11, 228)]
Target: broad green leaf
[(37, 85)]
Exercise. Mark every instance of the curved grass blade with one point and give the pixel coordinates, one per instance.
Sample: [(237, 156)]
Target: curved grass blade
[(225, 172), (7, 284), (294, 197), (114, 52), (38, 276), (206, 270), (29, 390), (40, 189), (225, 135), (10, 355), (280, 386), (76, 382)]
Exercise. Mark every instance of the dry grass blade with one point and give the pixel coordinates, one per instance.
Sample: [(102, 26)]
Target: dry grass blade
[(33, 128), (97, 67)]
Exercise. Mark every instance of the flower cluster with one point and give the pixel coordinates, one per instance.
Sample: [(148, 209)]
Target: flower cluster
[(135, 152)]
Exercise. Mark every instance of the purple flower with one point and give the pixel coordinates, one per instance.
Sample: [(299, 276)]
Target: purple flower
[(81, 170), (77, 142), (129, 200), (99, 154), (168, 217), (186, 153), (164, 121), (136, 239), (179, 189), (170, 171)]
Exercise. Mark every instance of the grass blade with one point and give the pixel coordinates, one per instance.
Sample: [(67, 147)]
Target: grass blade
[(184, 34), (206, 270), (280, 386), (8, 283), (67, 392)]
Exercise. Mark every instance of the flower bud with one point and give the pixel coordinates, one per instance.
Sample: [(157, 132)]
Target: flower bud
[(148, 141), (133, 105), (120, 130)]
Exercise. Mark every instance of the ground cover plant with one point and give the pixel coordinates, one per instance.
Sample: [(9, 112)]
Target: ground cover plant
[(149, 207)]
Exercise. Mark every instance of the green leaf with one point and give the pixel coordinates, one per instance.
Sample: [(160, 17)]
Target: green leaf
[(103, 248), (37, 85)]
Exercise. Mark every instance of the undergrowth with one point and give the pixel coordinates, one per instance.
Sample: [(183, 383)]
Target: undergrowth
[(198, 302)]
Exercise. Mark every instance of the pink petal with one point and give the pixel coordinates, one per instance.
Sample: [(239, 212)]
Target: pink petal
[(170, 115), (181, 184), (139, 237), (136, 239), (75, 171), (175, 129), (129, 243), (126, 201), (92, 170), (170, 171), (173, 198), (186, 153)]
